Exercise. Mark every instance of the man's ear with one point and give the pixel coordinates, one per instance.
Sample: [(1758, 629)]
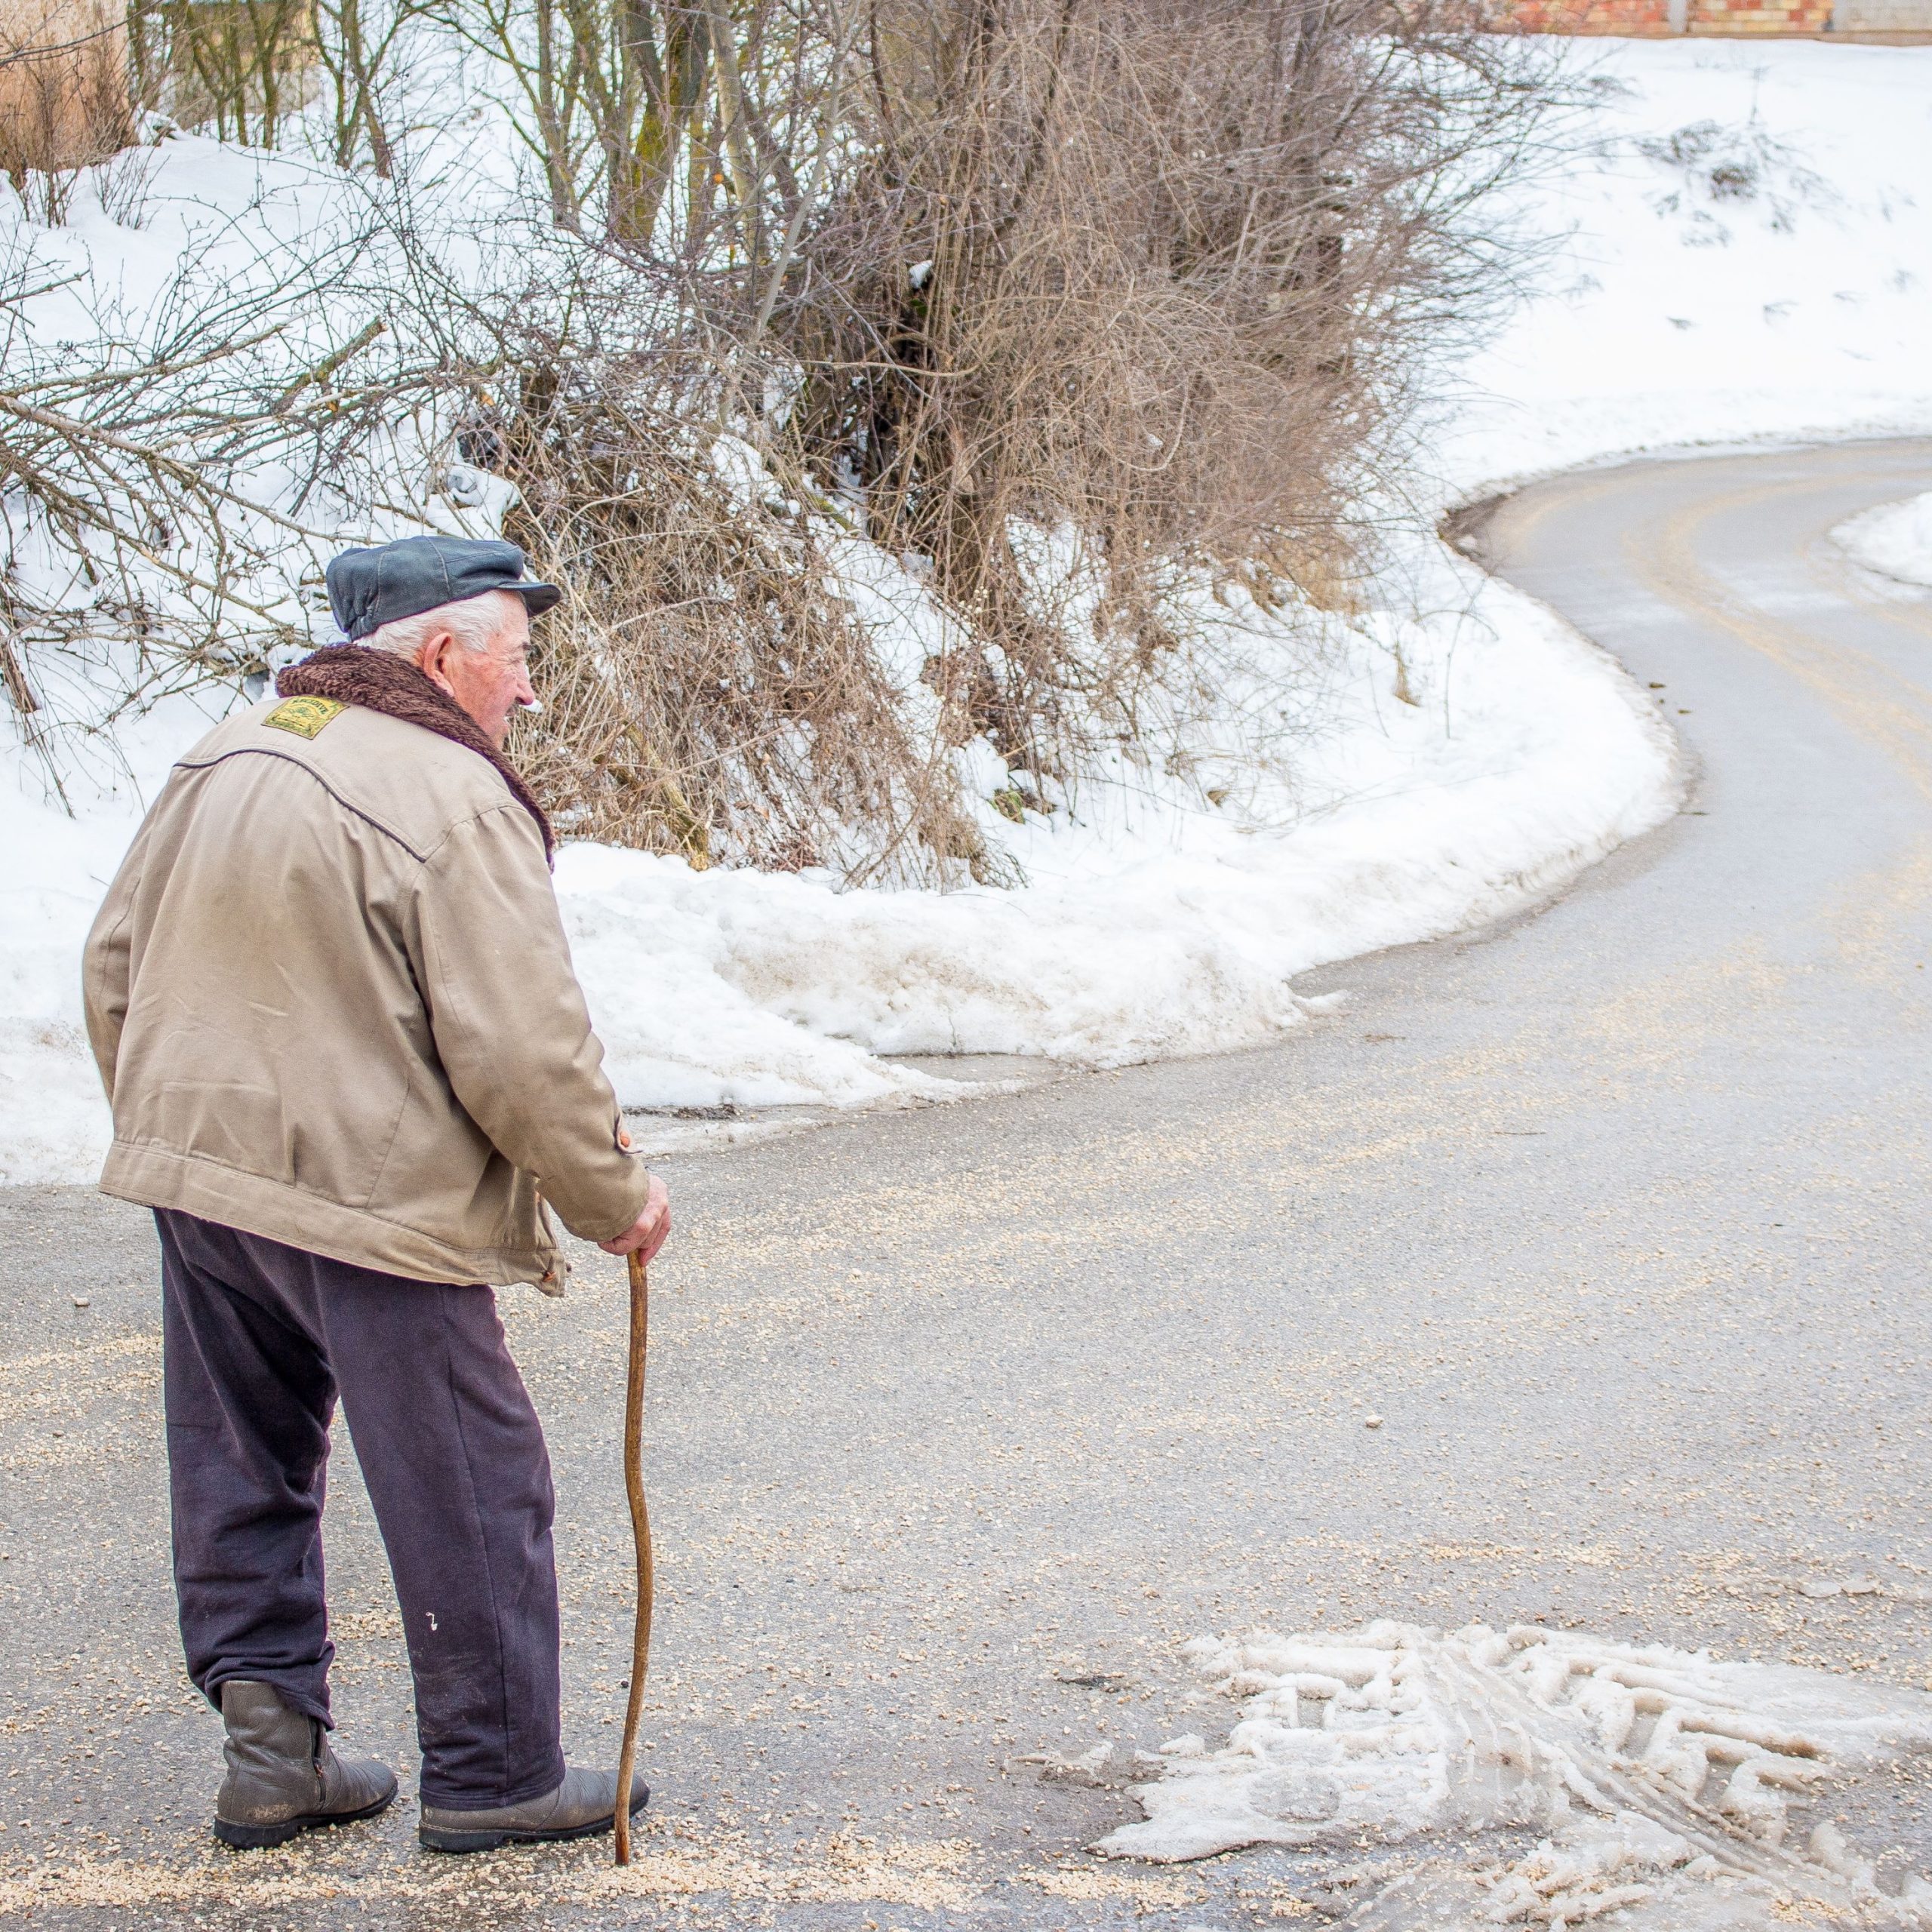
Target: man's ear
[(431, 661)]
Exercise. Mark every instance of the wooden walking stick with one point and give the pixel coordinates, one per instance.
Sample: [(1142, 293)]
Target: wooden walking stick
[(641, 1537)]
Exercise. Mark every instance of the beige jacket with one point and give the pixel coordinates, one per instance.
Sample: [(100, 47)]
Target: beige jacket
[(332, 1001)]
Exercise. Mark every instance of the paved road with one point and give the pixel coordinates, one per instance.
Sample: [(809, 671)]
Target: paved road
[(960, 1419)]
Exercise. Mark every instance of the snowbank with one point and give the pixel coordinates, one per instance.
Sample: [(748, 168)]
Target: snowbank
[(1147, 928), (1756, 281), (1519, 756), (1666, 1783), (1895, 540)]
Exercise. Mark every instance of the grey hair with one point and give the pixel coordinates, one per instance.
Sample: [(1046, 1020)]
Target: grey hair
[(473, 621)]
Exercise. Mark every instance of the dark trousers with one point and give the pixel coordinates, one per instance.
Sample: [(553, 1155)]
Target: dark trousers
[(259, 1339)]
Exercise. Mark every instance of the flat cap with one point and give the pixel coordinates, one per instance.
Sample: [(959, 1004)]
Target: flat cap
[(369, 588)]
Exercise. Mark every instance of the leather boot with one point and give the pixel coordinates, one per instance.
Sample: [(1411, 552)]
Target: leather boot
[(585, 1802), (283, 1780)]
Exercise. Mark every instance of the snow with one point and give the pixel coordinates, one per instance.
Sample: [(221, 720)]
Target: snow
[(1672, 1790), (1434, 764), (52, 1119), (1750, 256), (1895, 540), (1146, 929)]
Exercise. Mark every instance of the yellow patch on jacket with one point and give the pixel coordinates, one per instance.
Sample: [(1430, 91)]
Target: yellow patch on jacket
[(304, 716)]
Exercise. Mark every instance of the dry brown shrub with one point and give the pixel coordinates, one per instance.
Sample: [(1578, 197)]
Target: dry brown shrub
[(707, 689), (63, 96), (1074, 305), (1090, 304), (1152, 274), (138, 560)]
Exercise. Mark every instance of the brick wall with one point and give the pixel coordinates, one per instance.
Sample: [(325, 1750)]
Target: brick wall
[(1765, 16), (1713, 16), (1626, 16)]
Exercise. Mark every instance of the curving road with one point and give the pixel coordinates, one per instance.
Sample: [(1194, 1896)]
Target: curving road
[(1615, 1216)]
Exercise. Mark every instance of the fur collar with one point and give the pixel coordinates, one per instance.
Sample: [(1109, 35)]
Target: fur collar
[(380, 680)]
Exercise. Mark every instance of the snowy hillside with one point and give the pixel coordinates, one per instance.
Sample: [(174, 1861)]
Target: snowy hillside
[(1751, 256), (1744, 257)]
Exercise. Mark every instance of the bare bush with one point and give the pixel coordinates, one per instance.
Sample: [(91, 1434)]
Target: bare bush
[(1157, 274), (121, 184), (1079, 307), (1737, 165), (709, 687), (63, 98), (1082, 309)]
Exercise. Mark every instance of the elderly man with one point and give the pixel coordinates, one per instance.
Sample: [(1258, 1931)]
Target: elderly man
[(349, 1065)]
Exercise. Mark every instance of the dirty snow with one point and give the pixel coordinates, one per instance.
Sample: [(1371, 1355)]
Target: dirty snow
[(1433, 771), (1543, 1778), (1895, 540)]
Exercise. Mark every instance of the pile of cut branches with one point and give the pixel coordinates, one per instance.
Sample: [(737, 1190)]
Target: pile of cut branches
[(153, 541)]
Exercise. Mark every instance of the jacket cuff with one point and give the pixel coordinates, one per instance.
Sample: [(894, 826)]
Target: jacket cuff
[(602, 1227)]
